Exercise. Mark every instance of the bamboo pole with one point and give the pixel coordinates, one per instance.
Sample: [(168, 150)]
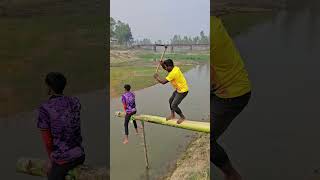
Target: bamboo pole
[(145, 145), (37, 167), (187, 124)]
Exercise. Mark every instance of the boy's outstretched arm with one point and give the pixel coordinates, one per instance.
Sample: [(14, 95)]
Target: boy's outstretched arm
[(162, 81)]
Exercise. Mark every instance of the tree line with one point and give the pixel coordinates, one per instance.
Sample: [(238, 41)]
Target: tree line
[(121, 32)]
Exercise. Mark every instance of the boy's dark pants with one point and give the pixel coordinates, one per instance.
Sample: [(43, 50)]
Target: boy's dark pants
[(126, 122), (59, 172), (175, 100), (223, 111)]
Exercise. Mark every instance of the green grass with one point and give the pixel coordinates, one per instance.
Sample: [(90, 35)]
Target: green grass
[(205, 175)]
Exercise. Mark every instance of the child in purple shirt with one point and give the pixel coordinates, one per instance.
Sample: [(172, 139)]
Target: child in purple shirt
[(129, 106), (59, 122)]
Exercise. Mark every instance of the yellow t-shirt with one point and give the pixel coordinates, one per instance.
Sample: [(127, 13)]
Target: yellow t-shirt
[(176, 78), (228, 74)]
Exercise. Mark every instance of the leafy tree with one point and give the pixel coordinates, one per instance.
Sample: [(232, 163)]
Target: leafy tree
[(176, 39), (203, 38), (185, 40), (112, 27), (195, 40), (143, 41), (123, 33), (190, 40), (146, 41)]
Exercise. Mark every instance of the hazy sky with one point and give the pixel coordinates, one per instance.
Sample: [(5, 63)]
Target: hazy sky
[(161, 19)]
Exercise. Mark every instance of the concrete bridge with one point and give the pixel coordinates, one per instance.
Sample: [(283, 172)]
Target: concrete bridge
[(172, 46)]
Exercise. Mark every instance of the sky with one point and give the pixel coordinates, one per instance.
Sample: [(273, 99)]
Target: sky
[(161, 19)]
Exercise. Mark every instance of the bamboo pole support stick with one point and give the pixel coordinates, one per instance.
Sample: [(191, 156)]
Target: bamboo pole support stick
[(145, 145)]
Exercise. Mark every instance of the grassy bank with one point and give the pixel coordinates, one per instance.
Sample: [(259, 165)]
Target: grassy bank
[(194, 163)]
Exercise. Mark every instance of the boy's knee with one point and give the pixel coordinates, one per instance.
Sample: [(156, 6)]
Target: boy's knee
[(170, 101), (174, 106), (218, 156)]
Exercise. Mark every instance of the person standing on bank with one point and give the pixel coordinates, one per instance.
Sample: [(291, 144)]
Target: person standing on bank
[(230, 93), (178, 81)]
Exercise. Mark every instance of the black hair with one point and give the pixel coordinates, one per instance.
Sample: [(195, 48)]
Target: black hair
[(168, 63), (56, 81), (127, 87)]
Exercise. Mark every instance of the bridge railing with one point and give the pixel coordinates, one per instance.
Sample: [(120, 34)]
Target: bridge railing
[(171, 46)]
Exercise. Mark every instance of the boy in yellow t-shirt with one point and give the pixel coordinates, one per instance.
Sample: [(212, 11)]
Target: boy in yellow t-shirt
[(178, 81), (230, 92)]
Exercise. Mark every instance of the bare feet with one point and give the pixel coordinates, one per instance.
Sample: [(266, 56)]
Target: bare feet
[(125, 140), (170, 117), (180, 120)]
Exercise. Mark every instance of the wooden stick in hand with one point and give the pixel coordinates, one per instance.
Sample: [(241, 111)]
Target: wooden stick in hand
[(165, 48)]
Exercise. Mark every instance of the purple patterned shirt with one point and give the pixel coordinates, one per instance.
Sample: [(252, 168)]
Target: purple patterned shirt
[(128, 98), (61, 115)]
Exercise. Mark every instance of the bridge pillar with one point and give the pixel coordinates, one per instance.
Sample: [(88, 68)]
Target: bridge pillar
[(172, 49), (154, 48)]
